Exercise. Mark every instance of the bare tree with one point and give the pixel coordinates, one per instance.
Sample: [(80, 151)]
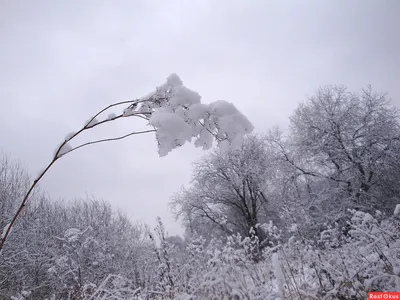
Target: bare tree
[(349, 140), (229, 191), (60, 249), (13, 183)]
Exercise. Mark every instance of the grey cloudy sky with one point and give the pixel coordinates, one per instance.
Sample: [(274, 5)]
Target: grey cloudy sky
[(62, 61)]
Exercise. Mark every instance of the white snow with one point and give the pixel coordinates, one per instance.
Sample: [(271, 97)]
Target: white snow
[(178, 115), (237, 142), (184, 96), (69, 135), (278, 272), (174, 80), (197, 111), (220, 108), (111, 116), (293, 228), (224, 145), (40, 173), (72, 234), (205, 140), (172, 130), (4, 231), (129, 111), (91, 122), (397, 210), (65, 148)]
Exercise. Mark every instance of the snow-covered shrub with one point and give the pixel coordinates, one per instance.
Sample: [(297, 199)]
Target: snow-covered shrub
[(216, 269), (346, 267), (335, 267)]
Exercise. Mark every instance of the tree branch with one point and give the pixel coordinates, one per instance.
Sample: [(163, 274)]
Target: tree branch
[(110, 139)]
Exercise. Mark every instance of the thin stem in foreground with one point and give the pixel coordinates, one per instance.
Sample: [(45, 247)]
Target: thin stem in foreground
[(23, 203), (110, 139), (57, 156)]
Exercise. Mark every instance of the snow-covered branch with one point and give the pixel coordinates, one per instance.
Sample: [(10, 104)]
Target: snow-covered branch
[(176, 115)]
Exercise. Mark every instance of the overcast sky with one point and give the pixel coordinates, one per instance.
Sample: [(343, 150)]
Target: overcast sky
[(62, 61)]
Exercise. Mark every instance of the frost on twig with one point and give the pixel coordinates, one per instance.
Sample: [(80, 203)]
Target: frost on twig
[(63, 150), (178, 116), (130, 110), (4, 231), (111, 116), (69, 136), (91, 122), (397, 210)]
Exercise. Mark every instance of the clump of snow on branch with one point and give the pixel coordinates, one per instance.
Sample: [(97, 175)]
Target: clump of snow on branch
[(4, 231), (69, 135), (72, 234), (178, 115), (91, 122), (64, 149), (22, 296), (397, 210), (111, 116), (130, 110)]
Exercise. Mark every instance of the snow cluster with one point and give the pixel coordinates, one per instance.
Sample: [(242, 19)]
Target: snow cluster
[(278, 272), (91, 122), (70, 135), (111, 116), (64, 149), (130, 110), (22, 296), (72, 235), (4, 231), (178, 115), (397, 210)]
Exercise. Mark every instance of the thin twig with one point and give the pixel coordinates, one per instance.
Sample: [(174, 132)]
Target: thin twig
[(23, 203), (110, 139), (57, 156)]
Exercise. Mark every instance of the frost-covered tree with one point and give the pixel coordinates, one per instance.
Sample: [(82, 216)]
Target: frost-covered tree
[(63, 250), (13, 184), (231, 191), (352, 140), (175, 114), (53, 250), (341, 152), (86, 250)]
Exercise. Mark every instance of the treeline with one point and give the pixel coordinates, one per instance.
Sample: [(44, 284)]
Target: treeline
[(65, 249), (308, 213), (341, 152)]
